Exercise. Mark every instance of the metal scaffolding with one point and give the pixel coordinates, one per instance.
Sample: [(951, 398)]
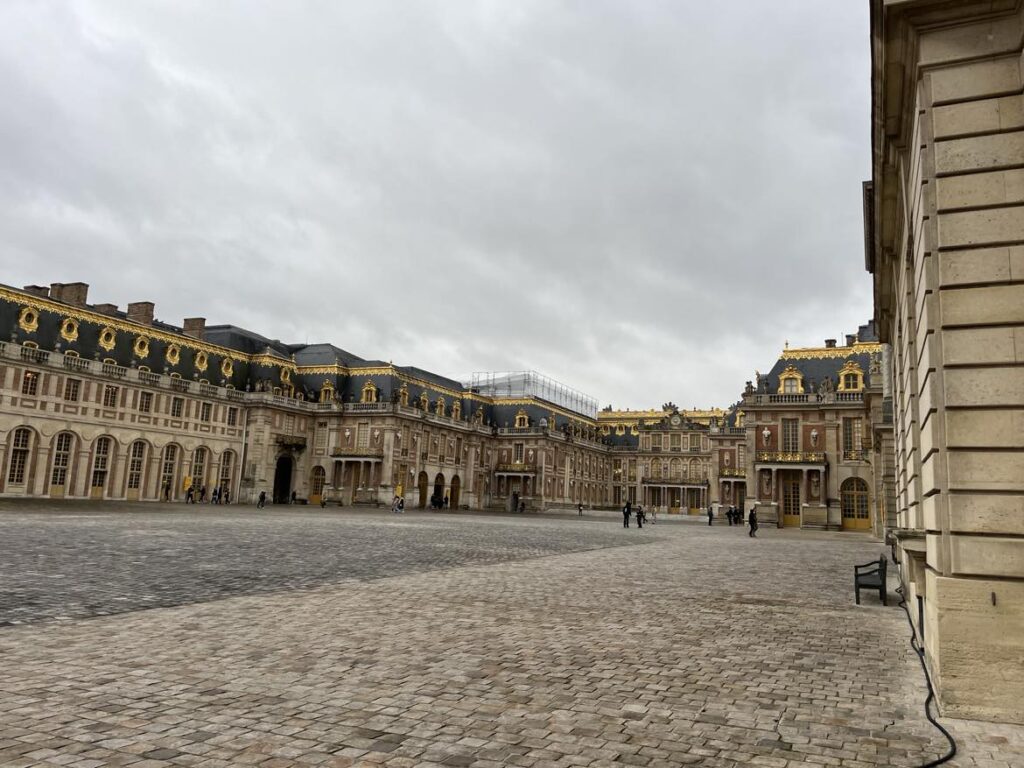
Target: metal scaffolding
[(532, 384)]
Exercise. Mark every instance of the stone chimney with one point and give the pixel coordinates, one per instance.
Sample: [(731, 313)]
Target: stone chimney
[(141, 312), (37, 290), (830, 343), (75, 294), (106, 309), (194, 327), (851, 339)]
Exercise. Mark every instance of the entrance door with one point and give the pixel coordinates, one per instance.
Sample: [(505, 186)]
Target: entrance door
[(439, 491), (283, 480), (854, 498), (791, 502), (454, 496), (422, 482)]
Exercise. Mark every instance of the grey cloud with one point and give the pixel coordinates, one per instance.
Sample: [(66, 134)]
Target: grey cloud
[(640, 199)]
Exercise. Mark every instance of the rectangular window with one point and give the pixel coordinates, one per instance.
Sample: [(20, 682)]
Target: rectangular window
[(204, 411), (177, 407), (517, 452), (110, 396), (741, 456), (30, 384), (791, 435), (655, 442), (233, 417), (852, 437), (135, 464), (694, 443), (676, 444), (72, 390), (145, 402), (19, 457), (61, 459)]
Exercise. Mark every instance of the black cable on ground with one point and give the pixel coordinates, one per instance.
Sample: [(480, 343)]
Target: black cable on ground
[(931, 691)]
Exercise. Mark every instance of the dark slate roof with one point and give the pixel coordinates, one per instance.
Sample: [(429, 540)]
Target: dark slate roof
[(328, 354), (243, 340), (433, 378), (815, 370)]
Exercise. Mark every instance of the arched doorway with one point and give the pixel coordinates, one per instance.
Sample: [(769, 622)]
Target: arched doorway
[(438, 495), (317, 477), (853, 496), (454, 493), (422, 481), (283, 480)]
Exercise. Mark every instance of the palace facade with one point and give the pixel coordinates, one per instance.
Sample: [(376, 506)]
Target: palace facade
[(945, 245)]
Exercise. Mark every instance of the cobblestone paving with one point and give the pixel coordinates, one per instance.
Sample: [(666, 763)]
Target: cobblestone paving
[(58, 564), (702, 647)]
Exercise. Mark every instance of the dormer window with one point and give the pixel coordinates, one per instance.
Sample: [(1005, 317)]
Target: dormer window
[(851, 377), (326, 392), (440, 406), (369, 392), (403, 394), (791, 381), (522, 420)]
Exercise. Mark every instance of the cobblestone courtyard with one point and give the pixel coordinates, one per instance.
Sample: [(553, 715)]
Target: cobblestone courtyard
[(302, 638)]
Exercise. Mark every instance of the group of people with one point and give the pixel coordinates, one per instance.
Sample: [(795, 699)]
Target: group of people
[(438, 502), (640, 514), (735, 517), (397, 505), (195, 495)]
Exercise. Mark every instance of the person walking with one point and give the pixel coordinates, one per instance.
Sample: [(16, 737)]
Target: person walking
[(711, 514), (640, 516), (654, 514), (262, 501), (225, 496), (626, 512), (752, 521), (401, 505), (579, 509)]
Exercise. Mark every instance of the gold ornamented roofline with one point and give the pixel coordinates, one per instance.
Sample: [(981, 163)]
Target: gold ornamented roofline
[(831, 353)]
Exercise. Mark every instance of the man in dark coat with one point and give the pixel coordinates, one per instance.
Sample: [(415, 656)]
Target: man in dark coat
[(711, 515), (626, 512), (752, 521)]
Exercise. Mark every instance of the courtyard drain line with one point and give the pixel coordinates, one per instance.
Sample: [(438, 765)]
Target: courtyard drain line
[(931, 691)]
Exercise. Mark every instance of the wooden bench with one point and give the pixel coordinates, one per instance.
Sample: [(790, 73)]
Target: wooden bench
[(870, 576)]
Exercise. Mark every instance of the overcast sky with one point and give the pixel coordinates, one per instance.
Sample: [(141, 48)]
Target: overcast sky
[(641, 199)]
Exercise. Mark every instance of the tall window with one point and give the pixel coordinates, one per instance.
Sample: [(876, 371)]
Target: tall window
[(791, 435), (854, 499), (232, 416), (110, 396), (135, 459), (61, 459), (167, 468), (227, 461), (675, 442), (852, 435), (317, 481), (656, 442), (198, 467), (19, 456), (741, 456), (101, 463), (205, 410), (851, 382), (30, 383), (694, 443), (145, 402), (177, 407), (72, 390), (517, 453)]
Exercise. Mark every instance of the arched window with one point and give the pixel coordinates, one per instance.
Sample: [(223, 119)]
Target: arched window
[(326, 392), (101, 463), (851, 377), (20, 443), (198, 468), (136, 456), (167, 471), (522, 420), (61, 459), (369, 392), (791, 381), (854, 499), (227, 465)]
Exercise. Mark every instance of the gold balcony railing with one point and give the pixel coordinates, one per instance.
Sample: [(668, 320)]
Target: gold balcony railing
[(791, 457)]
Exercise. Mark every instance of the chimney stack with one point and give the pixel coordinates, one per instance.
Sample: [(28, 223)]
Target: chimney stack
[(75, 294), (830, 343), (37, 290), (851, 339), (141, 312), (194, 327), (106, 309)]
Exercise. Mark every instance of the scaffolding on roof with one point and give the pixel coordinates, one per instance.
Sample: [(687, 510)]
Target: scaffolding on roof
[(516, 384)]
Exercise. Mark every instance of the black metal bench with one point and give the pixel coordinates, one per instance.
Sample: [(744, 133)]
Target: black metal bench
[(870, 576)]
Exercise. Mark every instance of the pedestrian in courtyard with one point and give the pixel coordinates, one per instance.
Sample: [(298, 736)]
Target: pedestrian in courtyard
[(729, 516), (262, 501), (579, 509), (167, 491), (446, 502), (654, 514), (711, 514), (639, 515), (626, 512), (190, 495), (752, 521), (202, 494), (225, 497), (401, 506), (215, 496)]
